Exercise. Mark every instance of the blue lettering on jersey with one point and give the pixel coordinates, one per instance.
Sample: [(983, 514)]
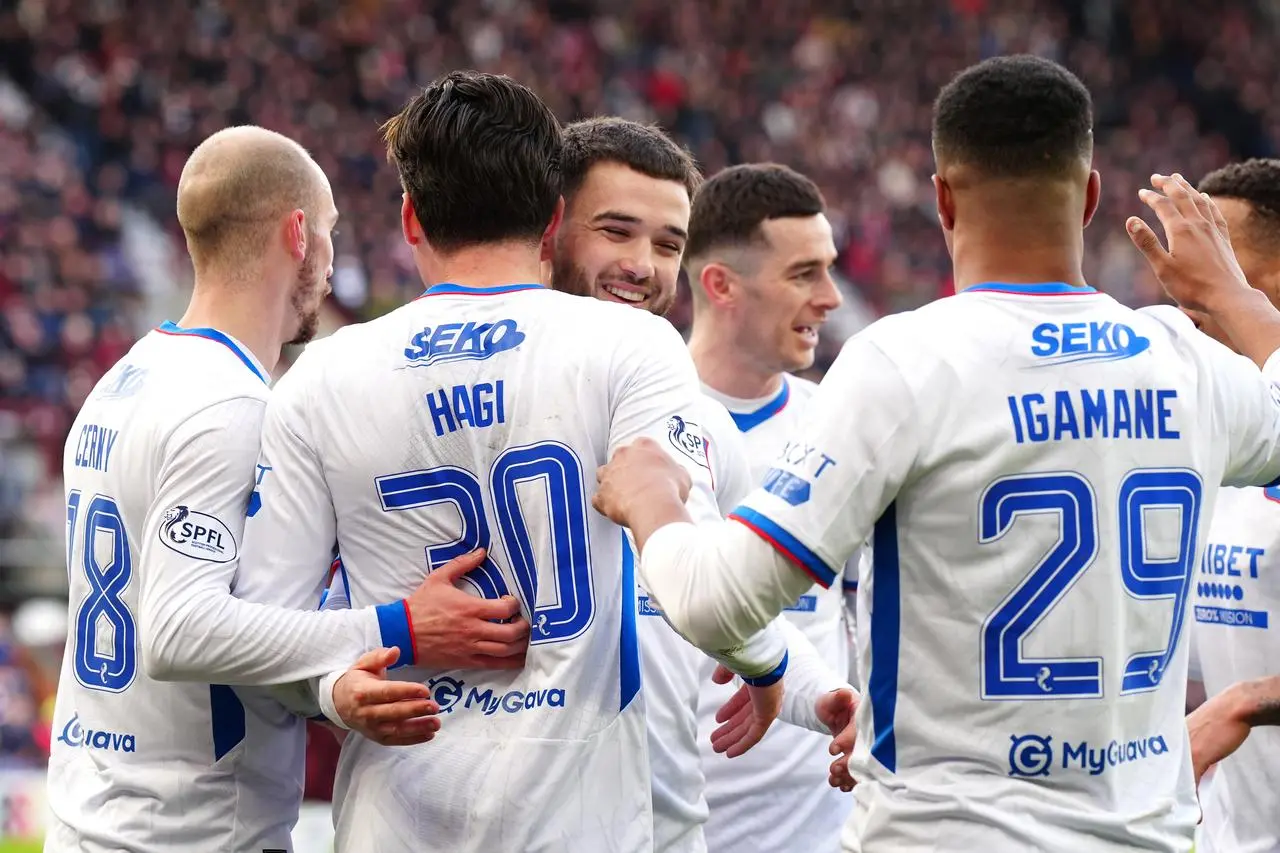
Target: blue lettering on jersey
[(787, 486), (1117, 413), (255, 497), (1076, 342), (1220, 563), (477, 406), (804, 604), (798, 454), (462, 342), (93, 449), (127, 382), (75, 735), (1032, 754), (448, 693)]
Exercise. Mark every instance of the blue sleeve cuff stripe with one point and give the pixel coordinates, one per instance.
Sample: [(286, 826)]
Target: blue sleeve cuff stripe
[(786, 545), (393, 622), (770, 677), (850, 586)]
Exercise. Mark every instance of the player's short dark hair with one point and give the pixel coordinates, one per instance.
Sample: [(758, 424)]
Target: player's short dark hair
[(642, 147), (732, 205), (1255, 182), (479, 156), (1014, 117)]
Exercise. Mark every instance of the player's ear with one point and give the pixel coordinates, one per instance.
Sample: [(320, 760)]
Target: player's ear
[(1092, 196), (409, 225), (295, 235), (717, 282), (549, 235), (946, 203)]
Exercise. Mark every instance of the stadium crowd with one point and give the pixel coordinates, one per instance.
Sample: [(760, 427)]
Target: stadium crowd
[(104, 100)]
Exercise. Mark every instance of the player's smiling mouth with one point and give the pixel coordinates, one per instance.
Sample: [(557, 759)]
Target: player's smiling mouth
[(627, 293)]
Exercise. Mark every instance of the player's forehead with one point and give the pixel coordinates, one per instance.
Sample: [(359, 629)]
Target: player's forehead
[(792, 239), (611, 187)]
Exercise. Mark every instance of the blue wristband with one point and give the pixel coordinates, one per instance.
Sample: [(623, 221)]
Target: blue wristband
[(393, 622), (770, 677)]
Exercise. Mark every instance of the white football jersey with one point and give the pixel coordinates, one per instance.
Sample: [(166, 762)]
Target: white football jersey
[(477, 417), (672, 670), (1038, 466), (1237, 595), (776, 796), (158, 468)]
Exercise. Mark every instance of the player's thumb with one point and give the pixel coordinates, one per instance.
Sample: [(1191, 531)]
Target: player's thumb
[(722, 675), (378, 660), (1146, 241), (459, 566)]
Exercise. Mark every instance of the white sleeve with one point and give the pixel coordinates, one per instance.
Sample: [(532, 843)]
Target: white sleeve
[(808, 678), (659, 397), (1247, 409), (290, 534), (720, 582), (838, 475), (191, 626)]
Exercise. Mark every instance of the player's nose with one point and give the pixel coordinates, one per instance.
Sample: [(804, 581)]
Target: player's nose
[(639, 264), (827, 295)]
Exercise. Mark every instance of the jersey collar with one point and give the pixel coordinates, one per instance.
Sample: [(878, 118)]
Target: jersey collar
[(241, 351), (1046, 288), (446, 287), (751, 419)]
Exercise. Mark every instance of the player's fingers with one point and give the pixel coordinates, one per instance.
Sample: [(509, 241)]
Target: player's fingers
[(396, 712), (1199, 199), (725, 738), (505, 633), (404, 733), (458, 566), (378, 660), (736, 703), (490, 649), (1179, 194), (492, 609), (1215, 215), (1146, 242), (407, 740), (752, 737), (722, 675), (486, 662), (1163, 207), (372, 692)]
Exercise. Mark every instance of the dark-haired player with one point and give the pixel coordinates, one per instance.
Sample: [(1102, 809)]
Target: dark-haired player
[(1237, 583), (475, 418), (1035, 464)]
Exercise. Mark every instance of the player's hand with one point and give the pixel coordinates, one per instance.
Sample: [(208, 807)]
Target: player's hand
[(455, 630), (392, 713), (836, 710), (1216, 730), (746, 717), (1199, 269), (636, 476)]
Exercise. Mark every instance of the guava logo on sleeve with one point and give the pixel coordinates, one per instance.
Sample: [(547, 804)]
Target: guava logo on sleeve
[(687, 437), (197, 535), (75, 735)]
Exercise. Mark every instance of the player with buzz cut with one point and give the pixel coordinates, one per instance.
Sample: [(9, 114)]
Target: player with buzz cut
[(759, 256), (1236, 589), (1037, 466), (627, 190), (473, 419), (158, 468)]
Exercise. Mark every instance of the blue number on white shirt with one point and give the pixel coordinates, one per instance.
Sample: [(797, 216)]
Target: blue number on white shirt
[(115, 671), (1006, 673), (1148, 578), (570, 609)]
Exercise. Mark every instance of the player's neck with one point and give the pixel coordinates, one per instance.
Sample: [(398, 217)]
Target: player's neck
[(240, 313), (485, 266), (723, 367), (1002, 257)]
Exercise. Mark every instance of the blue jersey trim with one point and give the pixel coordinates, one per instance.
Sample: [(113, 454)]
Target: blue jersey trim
[(460, 290), (393, 622), (1047, 288), (786, 545), (171, 328), (770, 677), (886, 627), (751, 420), (628, 646), (226, 714)]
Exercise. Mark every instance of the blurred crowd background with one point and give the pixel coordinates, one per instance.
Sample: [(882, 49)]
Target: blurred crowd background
[(102, 100)]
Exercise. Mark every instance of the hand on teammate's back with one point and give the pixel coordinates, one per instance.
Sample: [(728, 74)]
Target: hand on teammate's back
[(453, 629), (392, 713), (837, 710), (746, 717)]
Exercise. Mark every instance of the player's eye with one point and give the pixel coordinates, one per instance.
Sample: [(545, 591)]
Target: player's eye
[(671, 248), (617, 232)]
